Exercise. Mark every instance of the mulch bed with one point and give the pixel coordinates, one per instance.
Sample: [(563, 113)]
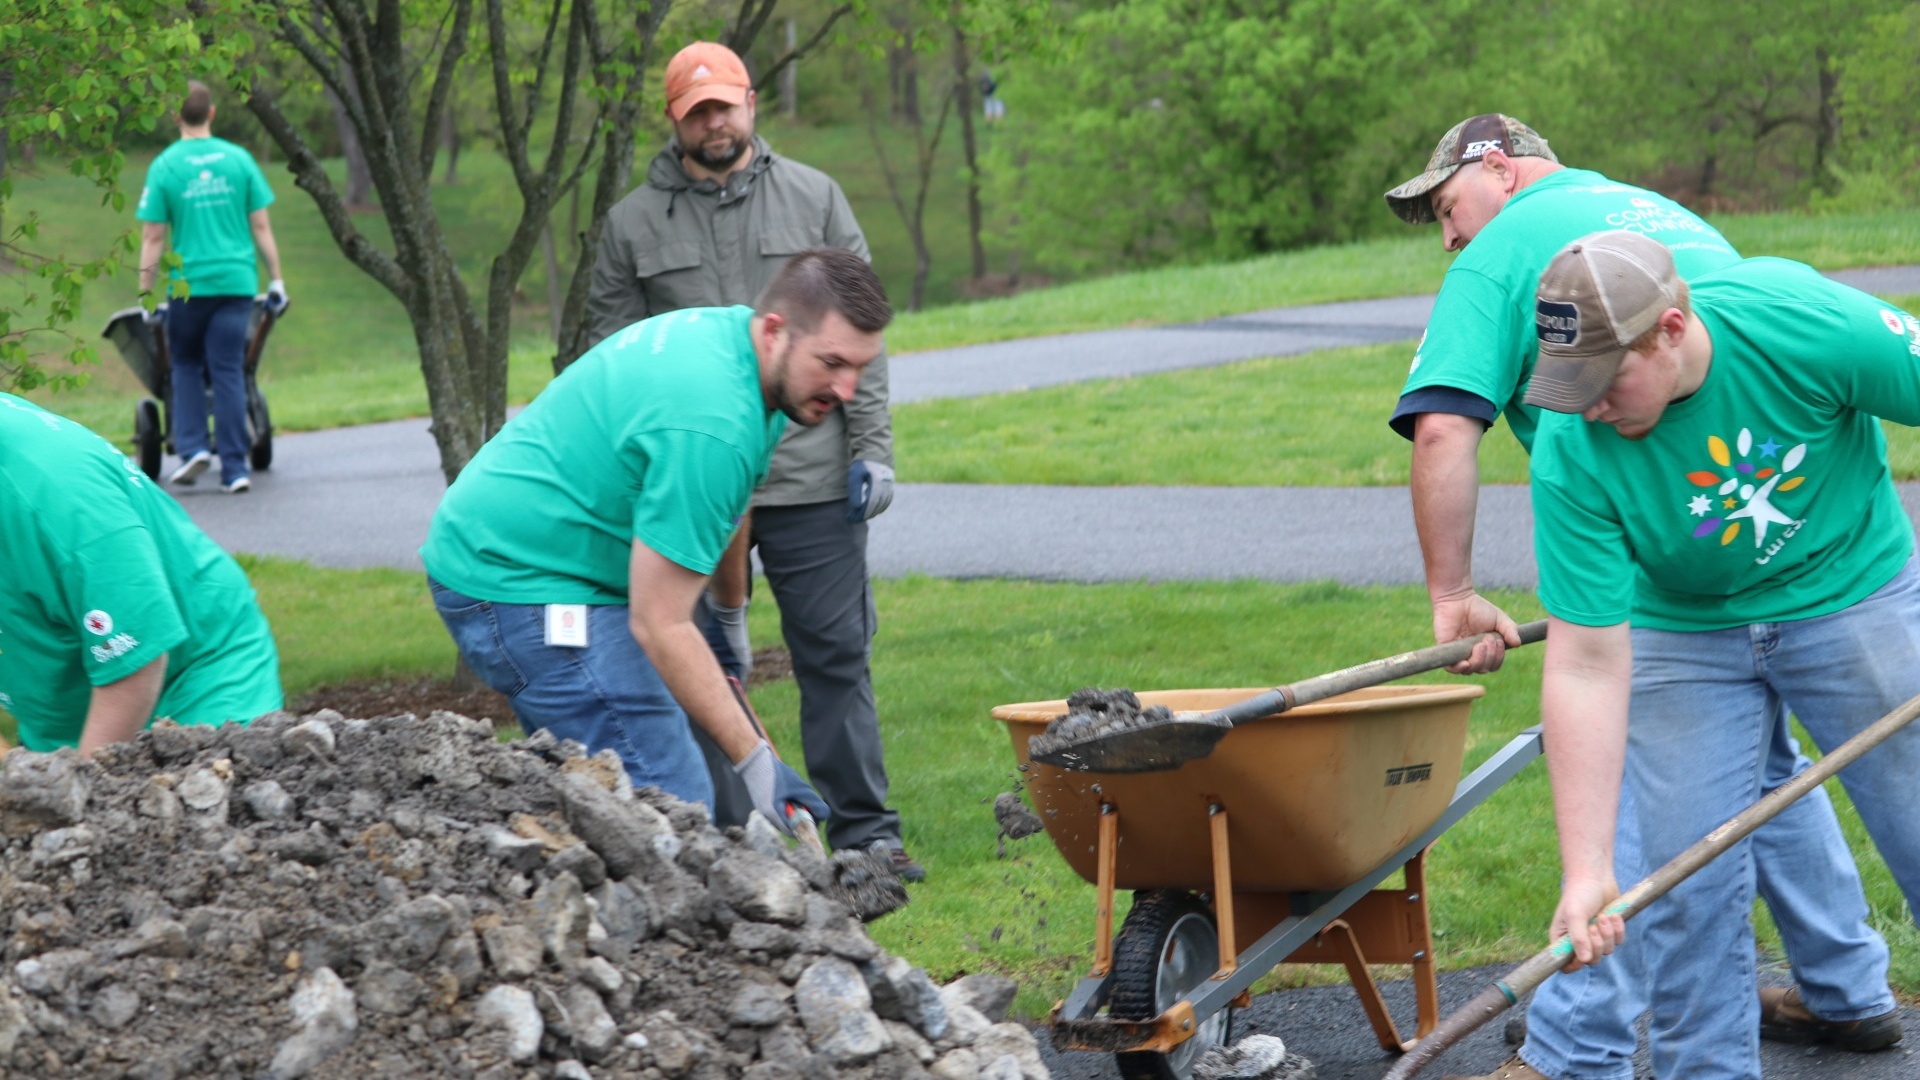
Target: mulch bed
[(421, 696)]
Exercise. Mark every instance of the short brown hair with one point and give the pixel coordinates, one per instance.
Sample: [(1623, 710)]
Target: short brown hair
[(820, 280), (1682, 300), (198, 107)]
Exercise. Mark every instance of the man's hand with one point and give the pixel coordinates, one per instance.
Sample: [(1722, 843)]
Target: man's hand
[(1579, 918), (869, 490), (771, 784), (276, 296), (158, 316), (1470, 615)]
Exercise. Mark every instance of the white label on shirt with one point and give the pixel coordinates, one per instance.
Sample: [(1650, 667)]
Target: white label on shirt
[(567, 625)]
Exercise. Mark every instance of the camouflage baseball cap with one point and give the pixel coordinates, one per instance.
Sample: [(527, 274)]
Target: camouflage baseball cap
[(1596, 298), (1468, 140)]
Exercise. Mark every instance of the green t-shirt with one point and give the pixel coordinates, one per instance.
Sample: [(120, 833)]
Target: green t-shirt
[(1762, 497), (1480, 338), (204, 189), (105, 573), (658, 434)]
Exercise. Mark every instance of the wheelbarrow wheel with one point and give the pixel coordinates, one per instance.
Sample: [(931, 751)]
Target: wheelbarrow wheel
[(1167, 948), (147, 436), (260, 421)]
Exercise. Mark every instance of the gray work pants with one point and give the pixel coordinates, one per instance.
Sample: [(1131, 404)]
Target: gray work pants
[(816, 563)]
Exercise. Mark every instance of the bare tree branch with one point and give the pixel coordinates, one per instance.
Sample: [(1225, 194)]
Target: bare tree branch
[(512, 133), (805, 47), (748, 23), (443, 82)]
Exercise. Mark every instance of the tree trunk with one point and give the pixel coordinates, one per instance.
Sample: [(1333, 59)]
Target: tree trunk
[(790, 75), (963, 96), (1827, 129), (556, 296), (359, 176), (450, 141)]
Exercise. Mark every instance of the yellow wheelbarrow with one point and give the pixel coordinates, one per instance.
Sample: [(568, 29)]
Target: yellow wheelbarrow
[(1270, 850)]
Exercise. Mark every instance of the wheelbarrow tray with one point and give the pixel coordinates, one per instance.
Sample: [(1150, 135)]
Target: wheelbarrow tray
[(1319, 795)]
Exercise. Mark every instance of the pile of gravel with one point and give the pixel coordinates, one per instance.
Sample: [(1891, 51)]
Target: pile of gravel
[(403, 897)]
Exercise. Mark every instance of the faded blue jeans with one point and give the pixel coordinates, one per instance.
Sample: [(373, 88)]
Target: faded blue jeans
[(606, 696), (1704, 721), (207, 346)]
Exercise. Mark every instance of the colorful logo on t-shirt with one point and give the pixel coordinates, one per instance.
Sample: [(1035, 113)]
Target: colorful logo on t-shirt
[(97, 622), (1743, 490)]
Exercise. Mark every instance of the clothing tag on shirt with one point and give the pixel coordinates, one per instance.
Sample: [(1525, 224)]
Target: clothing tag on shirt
[(567, 625)]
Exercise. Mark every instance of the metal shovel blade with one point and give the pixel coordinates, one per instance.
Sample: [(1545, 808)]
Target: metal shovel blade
[(1147, 747)]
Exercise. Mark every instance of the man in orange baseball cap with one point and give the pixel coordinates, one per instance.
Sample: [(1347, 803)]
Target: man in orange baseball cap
[(718, 216)]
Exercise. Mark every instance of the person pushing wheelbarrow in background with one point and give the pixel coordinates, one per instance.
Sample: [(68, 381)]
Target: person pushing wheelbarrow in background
[(1719, 540), (212, 197)]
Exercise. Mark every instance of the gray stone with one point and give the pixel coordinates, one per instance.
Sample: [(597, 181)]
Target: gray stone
[(600, 975), (812, 863), (759, 888), (621, 833), (763, 837), (324, 1008), (1015, 1041), (410, 934), (14, 1021), (1252, 1058), (571, 1070), (851, 944), (1004, 1067), (205, 791), (990, 995), (624, 911), (310, 846), (157, 799), (54, 973), (680, 902), (672, 1051), (958, 1064), (115, 1006), (904, 992), (757, 1005), (390, 990), (561, 917), (965, 1025), (155, 936), (591, 1027), (58, 847), (460, 957), (313, 737), (580, 861), (762, 937), (445, 762), (513, 950), (509, 847), (837, 1011), (906, 1039), (512, 1010), (38, 790)]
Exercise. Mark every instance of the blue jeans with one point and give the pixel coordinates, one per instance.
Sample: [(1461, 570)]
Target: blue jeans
[(605, 696), (1704, 721), (207, 342)]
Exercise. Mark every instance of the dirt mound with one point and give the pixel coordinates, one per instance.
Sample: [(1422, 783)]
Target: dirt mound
[(410, 898)]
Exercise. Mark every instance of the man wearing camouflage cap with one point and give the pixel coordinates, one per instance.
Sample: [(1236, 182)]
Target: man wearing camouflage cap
[(1506, 203), (1719, 542)]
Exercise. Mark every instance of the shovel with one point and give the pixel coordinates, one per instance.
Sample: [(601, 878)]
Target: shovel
[(1154, 744), (1505, 993)]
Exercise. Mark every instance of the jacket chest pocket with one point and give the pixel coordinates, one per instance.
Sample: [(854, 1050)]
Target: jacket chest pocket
[(669, 274), (785, 242)]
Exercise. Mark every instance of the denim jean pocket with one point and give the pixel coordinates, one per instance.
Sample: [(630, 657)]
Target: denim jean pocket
[(475, 627)]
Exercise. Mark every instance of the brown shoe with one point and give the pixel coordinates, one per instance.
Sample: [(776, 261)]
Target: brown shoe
[(1784, 1019), (1514, 1069)]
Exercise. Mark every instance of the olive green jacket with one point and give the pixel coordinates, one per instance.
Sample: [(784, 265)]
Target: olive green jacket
[(675, 242)]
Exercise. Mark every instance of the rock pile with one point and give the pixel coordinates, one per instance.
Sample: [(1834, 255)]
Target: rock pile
[(324, 897)]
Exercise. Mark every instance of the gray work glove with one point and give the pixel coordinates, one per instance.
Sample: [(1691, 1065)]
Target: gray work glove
[(772, 786), (733, 623), (869, 490)]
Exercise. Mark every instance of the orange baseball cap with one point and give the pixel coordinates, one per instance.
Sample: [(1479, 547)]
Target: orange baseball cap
[(705, 71)]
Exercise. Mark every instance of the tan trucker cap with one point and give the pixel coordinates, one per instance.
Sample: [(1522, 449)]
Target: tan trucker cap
[(1469, 140), (1597, 296)]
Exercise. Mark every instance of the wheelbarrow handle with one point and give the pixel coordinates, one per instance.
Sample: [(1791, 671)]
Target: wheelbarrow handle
[(1371, 673)]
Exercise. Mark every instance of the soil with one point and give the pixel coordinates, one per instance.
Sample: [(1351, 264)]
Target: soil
[(407, 897), (1093, 713), (427, 695)]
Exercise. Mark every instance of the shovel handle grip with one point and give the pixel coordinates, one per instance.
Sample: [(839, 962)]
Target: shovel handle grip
[(1371, 673)]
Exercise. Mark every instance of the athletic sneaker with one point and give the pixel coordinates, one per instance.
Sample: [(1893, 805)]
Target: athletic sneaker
[(238, 487), (1783, 1018), (190, 469)]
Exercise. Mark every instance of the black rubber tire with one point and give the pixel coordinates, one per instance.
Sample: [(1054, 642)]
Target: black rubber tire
[(1139, 951), (261, 422), (147, 436)]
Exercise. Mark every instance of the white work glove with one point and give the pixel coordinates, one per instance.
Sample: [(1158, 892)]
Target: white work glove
[(276, 296), (733, 623), (772, 786), (869, 490), (158, 315)]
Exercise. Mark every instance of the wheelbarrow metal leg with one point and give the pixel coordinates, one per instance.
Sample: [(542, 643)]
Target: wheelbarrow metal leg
[(1103, 912), (1222, 892)]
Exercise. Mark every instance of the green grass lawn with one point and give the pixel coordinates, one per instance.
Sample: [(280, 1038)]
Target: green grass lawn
[(947, 652)]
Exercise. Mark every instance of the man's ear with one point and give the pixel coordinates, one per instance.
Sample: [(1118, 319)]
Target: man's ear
[(1497, 162)]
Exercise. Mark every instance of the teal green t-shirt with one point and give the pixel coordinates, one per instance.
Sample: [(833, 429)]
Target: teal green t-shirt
[(1762, 497), (203, 189), (658, 434), (1480, 338), (105, 574)]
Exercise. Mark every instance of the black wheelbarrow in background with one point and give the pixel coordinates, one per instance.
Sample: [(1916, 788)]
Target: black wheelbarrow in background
[(144, 348)]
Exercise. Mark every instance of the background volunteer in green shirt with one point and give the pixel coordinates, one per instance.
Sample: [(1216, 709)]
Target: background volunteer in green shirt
[(1504, 201), (1719, 540), (567, 558), (212, 197), (118, 610)]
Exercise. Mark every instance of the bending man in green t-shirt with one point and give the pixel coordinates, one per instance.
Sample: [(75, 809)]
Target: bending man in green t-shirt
[(1719, 541), (117, 609), (567, 558)]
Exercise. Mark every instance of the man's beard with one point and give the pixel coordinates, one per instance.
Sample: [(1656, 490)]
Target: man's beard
[(720, 163), (782, 395)]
